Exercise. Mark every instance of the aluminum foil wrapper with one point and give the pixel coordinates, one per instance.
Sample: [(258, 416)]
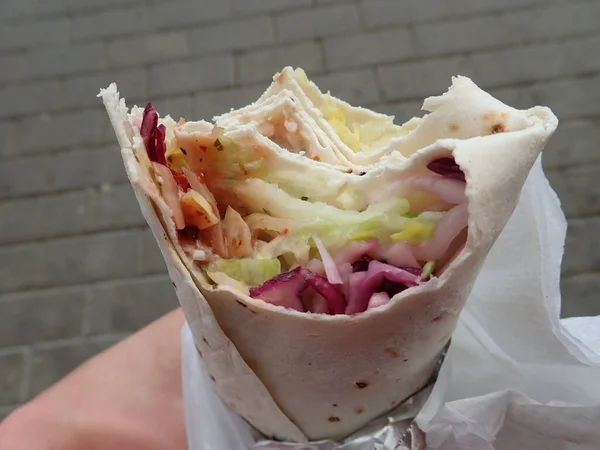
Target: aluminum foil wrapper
[(395, 430)]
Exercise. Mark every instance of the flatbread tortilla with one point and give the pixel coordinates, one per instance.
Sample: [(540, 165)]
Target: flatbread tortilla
[(301, 376)]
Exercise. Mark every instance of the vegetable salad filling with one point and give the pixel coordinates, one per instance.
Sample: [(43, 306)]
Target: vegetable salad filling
[(288, 249)]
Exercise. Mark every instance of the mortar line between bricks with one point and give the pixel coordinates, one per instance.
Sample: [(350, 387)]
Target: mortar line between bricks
[(567, 167), (289, 8), (582, 217), (109, 282), (58, 150), (72, 285), (237, 72), (19, 157), (59, 236), (568, 276), (42, 195), (70, 26), (48, 345), (57, 192), (123, 230), (139, 254), (86, 313), (578, 219), (362, 22), (25, 387), (68, 13), (13, 349)]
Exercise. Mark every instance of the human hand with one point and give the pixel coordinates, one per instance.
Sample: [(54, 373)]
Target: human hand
[(126, 398)]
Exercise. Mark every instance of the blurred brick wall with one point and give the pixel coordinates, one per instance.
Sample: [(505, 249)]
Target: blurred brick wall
[(78, 268)]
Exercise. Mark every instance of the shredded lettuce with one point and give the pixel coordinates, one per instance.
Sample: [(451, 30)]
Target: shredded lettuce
[(297, 220), (428, 269), (415, 232), (249, 271), (221, 279)]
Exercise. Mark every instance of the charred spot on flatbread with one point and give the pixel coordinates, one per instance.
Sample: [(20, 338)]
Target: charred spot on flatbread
[(359, 410), (495, 122), (334, 419), (361, 384), (393, 353), (497, 128)]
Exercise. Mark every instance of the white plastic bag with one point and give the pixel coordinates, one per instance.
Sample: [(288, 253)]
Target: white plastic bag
[(511, 360), (515, 377)]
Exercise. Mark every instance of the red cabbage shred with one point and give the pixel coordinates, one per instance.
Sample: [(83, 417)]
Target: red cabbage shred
[(447, 167), (153, 135)]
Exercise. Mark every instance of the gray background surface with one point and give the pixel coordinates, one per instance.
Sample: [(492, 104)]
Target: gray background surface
[(78, 268)]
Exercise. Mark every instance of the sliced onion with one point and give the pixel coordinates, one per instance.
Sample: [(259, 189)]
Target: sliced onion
[(170, 193), (335, 299), (315, 303), (316, 266), (331, 270), (260, 221), (447, 229), (346, 271), (449, 190), (197, 185), (237, 235), (362, 286), (353, 251), (394, 274), (400, 254), (213, 237), (378, 299)]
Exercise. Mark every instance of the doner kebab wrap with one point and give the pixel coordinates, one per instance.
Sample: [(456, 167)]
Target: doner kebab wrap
[(322, 258)]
